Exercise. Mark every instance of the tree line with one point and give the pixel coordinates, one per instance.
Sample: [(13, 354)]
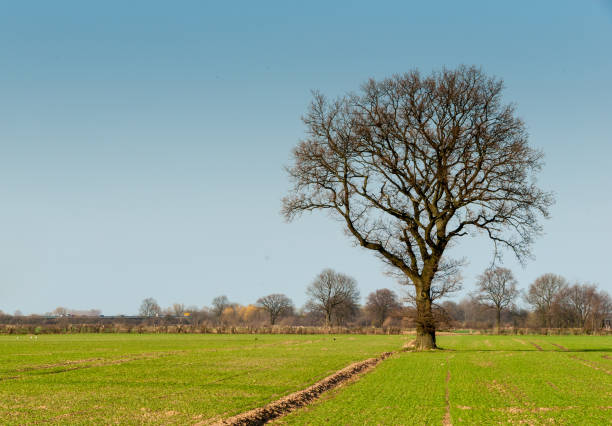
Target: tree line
[(333, 300), (496, 303)]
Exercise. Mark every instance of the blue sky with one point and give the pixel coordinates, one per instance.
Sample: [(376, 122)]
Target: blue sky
[(142, 144)]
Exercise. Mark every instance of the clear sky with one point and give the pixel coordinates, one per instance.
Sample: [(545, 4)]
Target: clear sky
[(142, 143)]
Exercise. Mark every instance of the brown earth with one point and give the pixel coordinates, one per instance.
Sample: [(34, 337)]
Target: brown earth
[(289, 403), (447, 417), (538, 347), (563, 348)]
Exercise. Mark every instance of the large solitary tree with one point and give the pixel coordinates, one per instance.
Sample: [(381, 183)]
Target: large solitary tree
[(413, 162)]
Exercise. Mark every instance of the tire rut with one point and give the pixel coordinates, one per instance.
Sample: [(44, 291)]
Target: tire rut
[(292, 402), (447, 421), (563, 348), (538, 347), (591, 364)]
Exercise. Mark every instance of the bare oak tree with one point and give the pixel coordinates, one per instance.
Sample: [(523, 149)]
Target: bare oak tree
[(276, 305), (543, 293), (581, 300), (219, 304), (413, 162), (497, 289), (178, 309), (380, 304), (149, 308), (334, 294)]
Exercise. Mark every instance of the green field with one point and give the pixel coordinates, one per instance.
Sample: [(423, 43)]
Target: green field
[(186, 379)]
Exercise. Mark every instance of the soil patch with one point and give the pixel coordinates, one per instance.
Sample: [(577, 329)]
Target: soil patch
[(447, 416), (563, 348), (289, 403), (590, 364), (538, 347)]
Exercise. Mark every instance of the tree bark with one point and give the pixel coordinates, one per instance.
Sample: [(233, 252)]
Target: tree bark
[(328, 319), (425, 324), (498, 319)]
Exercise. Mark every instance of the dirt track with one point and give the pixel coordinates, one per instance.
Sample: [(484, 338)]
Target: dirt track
[(289, 403)]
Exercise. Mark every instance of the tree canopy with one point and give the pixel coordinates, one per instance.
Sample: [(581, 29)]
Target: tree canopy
[(413, 162)]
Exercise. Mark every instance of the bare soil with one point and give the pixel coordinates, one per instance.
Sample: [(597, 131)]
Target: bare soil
[(563, 348), (538, 347), (447, 416), (289, 403)]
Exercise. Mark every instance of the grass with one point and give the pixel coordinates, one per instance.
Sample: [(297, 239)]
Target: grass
[(480, 380), (161, 379), (185, 379)]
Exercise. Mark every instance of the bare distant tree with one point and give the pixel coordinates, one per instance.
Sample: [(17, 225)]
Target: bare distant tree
[(602, 309), (346, 312), (276, 305), (497, 289), (380, 304), (412, 163), (542, 294), (219, 304), (149, 308), (196, 315), (581, 299), (60, 311), (332, 293), (178, 309)]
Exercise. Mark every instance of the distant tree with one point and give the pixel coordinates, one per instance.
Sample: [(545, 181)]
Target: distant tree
[(276, 305), (219, 304), (178, 309), (543, 293), (149, 308), (412, 163), (230, 315), (196, 315), (602, 309), (60, 311), (581, 299), (497, 289), (333, 294), (346, 313), (380, 304), (454, 310), (251, 315)]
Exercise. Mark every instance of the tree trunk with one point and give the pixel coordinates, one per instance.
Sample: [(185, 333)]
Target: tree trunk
[(425, 324), (498, 320)]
